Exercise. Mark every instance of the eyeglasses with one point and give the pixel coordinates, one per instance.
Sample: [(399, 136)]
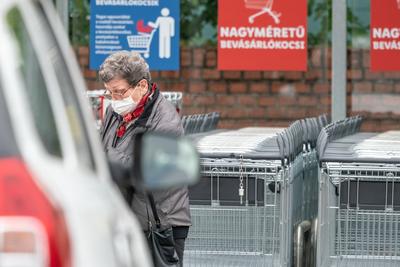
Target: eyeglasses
[(116, 94)]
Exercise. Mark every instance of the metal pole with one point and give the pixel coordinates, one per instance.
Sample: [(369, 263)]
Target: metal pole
[(63, 12), (339, 59), (300, 246)]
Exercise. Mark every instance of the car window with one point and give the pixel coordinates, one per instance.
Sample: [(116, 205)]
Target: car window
[(8, 145), (68, 91), (35, 86)]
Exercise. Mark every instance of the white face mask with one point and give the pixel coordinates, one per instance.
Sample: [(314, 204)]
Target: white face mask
[(124, 106)]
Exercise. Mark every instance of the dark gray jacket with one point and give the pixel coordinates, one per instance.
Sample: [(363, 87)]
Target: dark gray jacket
[(159, 115)]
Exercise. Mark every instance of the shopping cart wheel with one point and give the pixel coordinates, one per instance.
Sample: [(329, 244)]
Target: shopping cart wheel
[(146, 55)]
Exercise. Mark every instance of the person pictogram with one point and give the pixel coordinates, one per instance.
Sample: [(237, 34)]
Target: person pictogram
[(166, 30)]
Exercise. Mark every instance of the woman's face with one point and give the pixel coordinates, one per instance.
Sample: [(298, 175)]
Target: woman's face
[(120, 89)]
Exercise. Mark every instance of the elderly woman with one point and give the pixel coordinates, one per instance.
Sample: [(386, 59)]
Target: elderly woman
[(137, 106)]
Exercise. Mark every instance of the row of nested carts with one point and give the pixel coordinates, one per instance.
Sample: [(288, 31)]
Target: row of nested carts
[(313, 194)]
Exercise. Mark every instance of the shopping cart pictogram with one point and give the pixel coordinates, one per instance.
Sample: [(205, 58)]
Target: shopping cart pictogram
[(265, 7), (141, 43)]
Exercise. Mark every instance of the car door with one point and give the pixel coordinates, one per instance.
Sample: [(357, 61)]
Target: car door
[(60, 148)]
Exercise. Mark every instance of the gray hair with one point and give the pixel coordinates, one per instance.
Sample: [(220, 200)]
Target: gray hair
[(126, 65)]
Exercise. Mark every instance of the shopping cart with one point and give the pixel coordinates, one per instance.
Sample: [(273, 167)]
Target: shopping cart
[(199, 123), (265, 7), (96, 101), (359, 207), (141, 42), (304, 192), (176, 98), (229, 230), (250, 196)]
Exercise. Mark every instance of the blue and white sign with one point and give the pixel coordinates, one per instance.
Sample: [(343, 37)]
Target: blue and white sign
[(150, 27)]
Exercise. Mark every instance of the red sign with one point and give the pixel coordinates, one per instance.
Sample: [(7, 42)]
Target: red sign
[(262, 35), (385, 35)]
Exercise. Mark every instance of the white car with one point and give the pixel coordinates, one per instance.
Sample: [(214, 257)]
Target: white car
[(58, 204)]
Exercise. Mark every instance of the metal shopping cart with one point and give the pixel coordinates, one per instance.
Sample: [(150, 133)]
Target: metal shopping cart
[(96, 101), (359, 207), (304, 191), (265, 7), (228, 230), (250, 197), (176, 98), (198, 123), (141, 42)]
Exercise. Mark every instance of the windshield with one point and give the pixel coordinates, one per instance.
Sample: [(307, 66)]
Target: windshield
[(8, 145), (68, 91)]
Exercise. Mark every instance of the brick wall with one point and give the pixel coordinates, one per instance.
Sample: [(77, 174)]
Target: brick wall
[(272, 98)]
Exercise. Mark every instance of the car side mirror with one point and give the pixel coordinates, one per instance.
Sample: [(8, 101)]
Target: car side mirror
[(163, 161)]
